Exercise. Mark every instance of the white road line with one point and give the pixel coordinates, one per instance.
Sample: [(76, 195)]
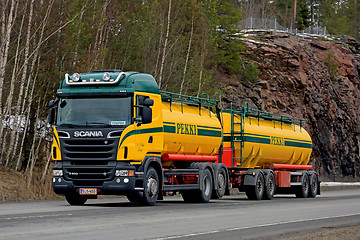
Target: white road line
[(41, 216), (255, 226)]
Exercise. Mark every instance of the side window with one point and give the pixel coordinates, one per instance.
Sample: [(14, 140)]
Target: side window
[(139, 102)]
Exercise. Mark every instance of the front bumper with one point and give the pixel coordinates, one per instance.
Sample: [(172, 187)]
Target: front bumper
[(111, 185)]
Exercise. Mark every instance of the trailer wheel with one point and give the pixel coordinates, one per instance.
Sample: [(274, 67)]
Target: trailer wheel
[(256, 192), (314, 183), (303, 190), (151, 187), (270, 186), (75, 199), (221, 185)]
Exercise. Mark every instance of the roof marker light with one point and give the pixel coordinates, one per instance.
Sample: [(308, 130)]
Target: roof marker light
[(106, 76), (76, 77)]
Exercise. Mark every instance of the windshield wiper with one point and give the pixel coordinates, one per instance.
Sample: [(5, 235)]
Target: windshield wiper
[(69, 125), (97, 123)]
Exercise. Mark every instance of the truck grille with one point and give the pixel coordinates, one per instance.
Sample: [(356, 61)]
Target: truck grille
[(89, 162), (89, 150)]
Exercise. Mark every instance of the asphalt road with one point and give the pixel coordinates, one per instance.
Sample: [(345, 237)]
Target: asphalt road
[(232, 217)]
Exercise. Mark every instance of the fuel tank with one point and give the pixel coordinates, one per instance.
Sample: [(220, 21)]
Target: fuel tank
[(257, 141), (190, 130)]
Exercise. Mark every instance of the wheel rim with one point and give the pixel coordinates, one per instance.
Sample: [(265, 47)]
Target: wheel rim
[(206, 185), (221, 182), (306, 184), (271, 185), (259, 185), (314, 184), (152, 186)]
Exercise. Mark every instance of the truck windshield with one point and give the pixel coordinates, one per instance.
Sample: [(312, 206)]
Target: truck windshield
[(94, 111)]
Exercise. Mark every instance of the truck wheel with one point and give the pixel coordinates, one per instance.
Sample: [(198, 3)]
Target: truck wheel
[(303, 190), (221, 185), (314, 183), (269, 186), (151, 187), (74, 199), (205, 193), (256, 192)]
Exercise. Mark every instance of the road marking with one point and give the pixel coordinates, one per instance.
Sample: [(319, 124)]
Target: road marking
[(255, 226), (41, 216)]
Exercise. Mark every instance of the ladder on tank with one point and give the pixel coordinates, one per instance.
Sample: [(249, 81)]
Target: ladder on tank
[(237, 136)]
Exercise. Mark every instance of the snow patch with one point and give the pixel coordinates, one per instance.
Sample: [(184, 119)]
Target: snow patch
[(335, 184)]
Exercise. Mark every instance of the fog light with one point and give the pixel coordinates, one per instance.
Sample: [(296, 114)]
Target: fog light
[(58, 173), (118, 180), (126, 180)]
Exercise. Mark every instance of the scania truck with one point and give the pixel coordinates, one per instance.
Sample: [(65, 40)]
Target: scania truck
[(116, 133)]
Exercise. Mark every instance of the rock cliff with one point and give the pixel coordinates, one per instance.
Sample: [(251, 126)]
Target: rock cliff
[(314, 79)]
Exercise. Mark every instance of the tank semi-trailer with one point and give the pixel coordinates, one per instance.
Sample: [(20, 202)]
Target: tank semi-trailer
[(116, 133)]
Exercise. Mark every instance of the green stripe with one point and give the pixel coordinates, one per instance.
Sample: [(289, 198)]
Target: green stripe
[(267, 141), (142, 131), (256, 140), (209, 133), (298, 144), (56, 140), (169, 129), (171, 123), (208, 127), (298, 140), (256, 135)]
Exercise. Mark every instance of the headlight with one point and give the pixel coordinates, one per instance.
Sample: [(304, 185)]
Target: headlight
[(106, 76), (58, 173), (124, 173), (76, 77)]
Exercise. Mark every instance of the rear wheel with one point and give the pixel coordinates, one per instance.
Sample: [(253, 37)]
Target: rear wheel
[(221, 185), (269, 186), (256, 192), (202, 195), (75, 199), (303, 190), (314, 184)]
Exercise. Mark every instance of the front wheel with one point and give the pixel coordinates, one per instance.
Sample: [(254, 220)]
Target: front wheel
[(75, 199), (151, 187)]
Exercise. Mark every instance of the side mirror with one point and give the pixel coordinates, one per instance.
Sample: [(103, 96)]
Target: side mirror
[(148, 102), (51, 116), (147, 114), (51, 103)]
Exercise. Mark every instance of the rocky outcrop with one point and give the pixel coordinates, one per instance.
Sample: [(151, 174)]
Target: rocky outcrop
[(312, 79)]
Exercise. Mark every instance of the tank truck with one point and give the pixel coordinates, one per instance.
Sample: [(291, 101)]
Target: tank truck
[(116, 133)]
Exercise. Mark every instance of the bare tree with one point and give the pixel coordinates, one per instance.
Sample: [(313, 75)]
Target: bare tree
[(165, 46), (188, 54), (5, 45)]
